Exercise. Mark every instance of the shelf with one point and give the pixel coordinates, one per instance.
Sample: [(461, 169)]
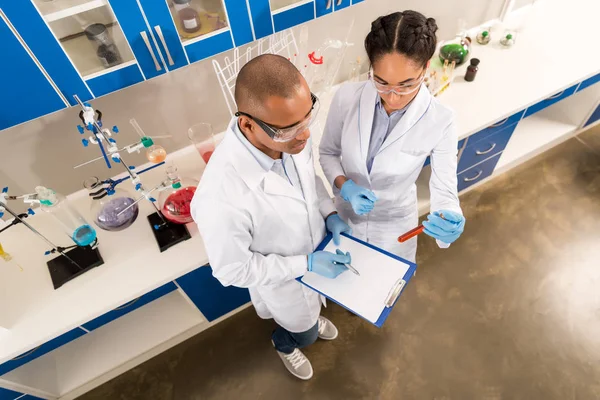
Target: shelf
[(109, 347), (56, 10), (534, 135)]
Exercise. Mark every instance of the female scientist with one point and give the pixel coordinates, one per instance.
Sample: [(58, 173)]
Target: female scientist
[(379, 133)]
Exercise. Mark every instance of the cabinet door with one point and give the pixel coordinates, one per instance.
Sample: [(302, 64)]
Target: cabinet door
[(340, 4), (89, 35), (278, 15), (212, 299), (30, 24), (594, 117), (25, 91), (323, 7), (6, 394)]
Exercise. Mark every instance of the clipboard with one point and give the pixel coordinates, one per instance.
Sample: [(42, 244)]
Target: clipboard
[(393, 293)]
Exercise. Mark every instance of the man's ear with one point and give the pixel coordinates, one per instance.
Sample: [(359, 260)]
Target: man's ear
[(245, 124)]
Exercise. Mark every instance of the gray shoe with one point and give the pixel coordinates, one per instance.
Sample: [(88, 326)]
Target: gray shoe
[(327, 330), (297, 363)]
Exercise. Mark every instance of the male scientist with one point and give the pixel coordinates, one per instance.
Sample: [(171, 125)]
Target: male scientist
[(262, 211)]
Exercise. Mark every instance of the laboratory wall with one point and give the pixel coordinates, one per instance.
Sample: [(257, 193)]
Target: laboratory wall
[(44, 151)]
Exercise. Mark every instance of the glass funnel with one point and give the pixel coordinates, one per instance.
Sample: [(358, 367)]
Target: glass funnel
[(107, 205), (175, 201)]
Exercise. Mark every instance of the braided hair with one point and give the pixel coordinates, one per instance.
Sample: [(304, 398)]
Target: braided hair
[(409, 33)]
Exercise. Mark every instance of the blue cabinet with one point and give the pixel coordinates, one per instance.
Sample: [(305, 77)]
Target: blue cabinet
[(594, 117), (206, 292), (41, 350), (277, 15), (130, 306), (20, 78), (589, 82), (477, 173), (483, 149), (555, 98), (6, 394)]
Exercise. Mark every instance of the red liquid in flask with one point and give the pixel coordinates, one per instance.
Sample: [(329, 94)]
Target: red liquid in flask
[(177, 206)]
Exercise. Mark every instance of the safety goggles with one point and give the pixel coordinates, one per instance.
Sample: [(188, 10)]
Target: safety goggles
[(290, 132), (400, 90)]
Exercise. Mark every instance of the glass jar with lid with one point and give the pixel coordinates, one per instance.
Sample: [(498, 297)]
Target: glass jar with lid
[(189, 17)]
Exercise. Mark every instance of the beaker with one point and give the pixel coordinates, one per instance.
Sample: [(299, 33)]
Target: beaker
[(201, 136)]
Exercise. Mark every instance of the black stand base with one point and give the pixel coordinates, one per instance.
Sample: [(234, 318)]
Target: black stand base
[(62, 270), (167, 235)]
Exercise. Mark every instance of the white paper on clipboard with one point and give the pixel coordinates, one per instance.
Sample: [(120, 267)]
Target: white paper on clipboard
[(366, 295)]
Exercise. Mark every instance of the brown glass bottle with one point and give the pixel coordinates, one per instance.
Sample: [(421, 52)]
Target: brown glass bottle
[(472, 70)]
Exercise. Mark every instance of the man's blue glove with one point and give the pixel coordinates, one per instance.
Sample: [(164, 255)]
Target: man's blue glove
[(447, 228), (335, 225), (362, 200), (328, 264)]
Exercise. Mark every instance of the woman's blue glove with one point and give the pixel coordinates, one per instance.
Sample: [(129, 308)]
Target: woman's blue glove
[(446, 229), (328, 264), (362, 200), (335, 225)]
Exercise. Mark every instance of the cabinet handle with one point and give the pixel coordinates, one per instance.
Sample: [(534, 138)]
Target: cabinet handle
[(499, 123), (328, 6), (480, 153), (556, 95), (132, 302), (147, 41), (475, 177), (339, 3), (30, 352), (164, 43)]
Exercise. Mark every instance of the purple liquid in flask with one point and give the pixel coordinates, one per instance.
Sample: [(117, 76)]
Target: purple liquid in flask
[(107, 216)]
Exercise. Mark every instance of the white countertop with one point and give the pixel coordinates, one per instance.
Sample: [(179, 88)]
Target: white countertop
[(508, 81)]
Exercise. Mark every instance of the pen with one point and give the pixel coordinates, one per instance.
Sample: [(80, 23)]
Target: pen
[(351, 268)]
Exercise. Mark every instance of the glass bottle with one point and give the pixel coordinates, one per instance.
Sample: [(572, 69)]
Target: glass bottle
[(174, 202), (71, 221), (106, 50), (472, 70), (154, 153), (188, 16), (456, 50), (508, 40), (107, 206), (484, 37)]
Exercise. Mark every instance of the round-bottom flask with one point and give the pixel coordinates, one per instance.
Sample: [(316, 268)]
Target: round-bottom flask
[(112, 210), (175, 202)]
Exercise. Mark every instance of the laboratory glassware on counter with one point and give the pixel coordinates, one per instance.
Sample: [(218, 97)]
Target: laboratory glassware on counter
[(107, 203), (472, 70), (106, 50), (154, 152), (202, 137), (73, 223), (508, 40), (174, 201), (457, 50), (484, 37)]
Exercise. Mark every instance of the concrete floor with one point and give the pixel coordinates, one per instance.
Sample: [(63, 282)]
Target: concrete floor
[(510, 311)]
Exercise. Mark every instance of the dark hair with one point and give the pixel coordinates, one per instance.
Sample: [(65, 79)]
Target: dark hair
[(264, 76), (409, 33)]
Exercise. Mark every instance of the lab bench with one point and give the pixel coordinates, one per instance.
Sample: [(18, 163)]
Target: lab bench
[(141, 302)]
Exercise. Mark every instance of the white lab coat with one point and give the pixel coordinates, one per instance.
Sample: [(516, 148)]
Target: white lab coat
[(258, 230), (427, 128)]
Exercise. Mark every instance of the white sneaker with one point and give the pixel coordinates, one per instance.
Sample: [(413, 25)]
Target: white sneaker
[(297, 363), (327, 330)]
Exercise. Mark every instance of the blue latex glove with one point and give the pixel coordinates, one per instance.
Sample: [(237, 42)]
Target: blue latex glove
[(335, 225), (362, 200), (328, 264), (446, 229)]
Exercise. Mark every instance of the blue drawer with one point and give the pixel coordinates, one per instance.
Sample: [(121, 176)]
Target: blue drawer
[(594, 117), (589, 82), (6, 394), (41, 350), (207, 293), (477, 173), (477, 152), (29, 397), (494, 128), (130, 306), (555, 98)]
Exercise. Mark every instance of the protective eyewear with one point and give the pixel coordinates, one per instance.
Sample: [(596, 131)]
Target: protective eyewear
[(400, 90), (288, 133)]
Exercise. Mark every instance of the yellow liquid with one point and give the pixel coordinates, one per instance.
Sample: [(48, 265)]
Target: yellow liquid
[(5, 256)]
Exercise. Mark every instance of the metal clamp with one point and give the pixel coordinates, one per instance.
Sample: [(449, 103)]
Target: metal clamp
[(164, 43), (395, 292), (147, 42), (475, 177), (499, 123), (480, 153)]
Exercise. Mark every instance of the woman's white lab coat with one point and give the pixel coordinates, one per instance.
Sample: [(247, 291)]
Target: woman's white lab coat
[(258, 230), (427, 128)]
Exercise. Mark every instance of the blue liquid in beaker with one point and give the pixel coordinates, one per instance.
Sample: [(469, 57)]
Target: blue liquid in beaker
[(84, 235)]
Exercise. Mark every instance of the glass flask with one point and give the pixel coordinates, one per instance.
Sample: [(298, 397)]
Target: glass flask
[(154, 153), (202, 137), (456, 50), (71, 221), (108, 205), (174, 202)]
